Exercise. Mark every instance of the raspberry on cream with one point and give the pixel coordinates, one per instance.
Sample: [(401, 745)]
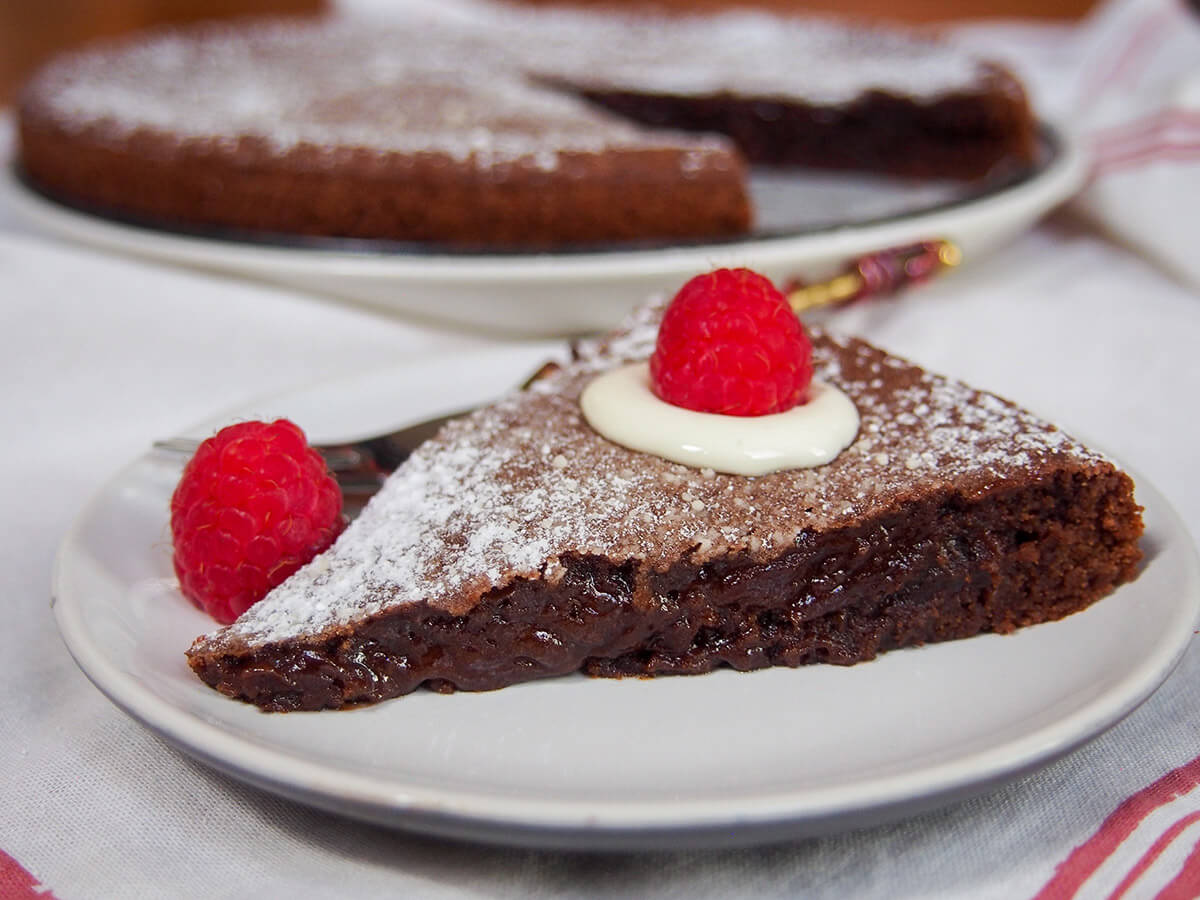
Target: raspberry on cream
[(730, 343), (728, 387)]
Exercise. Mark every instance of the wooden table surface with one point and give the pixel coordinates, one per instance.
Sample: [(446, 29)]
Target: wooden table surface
[(32, 30)]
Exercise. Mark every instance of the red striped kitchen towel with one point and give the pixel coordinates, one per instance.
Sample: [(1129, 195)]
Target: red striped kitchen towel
[(1137, 106), (18, 884), (1126, 83), (1148, 847)]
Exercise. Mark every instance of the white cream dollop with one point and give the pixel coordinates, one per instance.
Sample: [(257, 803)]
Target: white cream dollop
[(620, 405)]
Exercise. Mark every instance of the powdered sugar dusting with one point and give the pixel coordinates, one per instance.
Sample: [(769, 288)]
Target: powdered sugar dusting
[(438, 89), (512, 490), (749, 53), (475, 86)]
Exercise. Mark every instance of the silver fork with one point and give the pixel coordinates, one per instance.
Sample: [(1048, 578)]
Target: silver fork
[(359, 467)]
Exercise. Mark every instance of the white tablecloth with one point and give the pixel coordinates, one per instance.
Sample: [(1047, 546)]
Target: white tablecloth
[(101, 355)]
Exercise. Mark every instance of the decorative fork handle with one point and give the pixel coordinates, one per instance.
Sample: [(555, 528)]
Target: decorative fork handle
[(876, 275)]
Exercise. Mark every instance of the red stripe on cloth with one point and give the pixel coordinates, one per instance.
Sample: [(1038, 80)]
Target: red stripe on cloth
[(1144, 37), (1175, 127), (1155, 851), (1151, 127), (1185, 885), (1147, 147), (1172, 152), (1085, 859), (18, 884)]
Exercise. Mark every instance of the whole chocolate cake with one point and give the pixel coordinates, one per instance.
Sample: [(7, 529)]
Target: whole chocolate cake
[(521, 544), (482, 125)]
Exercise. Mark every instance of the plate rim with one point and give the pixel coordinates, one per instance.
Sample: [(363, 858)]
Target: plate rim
[(647, 824), (1056, 181)]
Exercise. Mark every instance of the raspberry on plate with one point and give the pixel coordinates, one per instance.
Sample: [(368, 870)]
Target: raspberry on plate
[(254, 504), (729, 343)]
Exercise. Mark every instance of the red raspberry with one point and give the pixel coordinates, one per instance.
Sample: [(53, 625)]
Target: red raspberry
[(254, 504), (729, 343)]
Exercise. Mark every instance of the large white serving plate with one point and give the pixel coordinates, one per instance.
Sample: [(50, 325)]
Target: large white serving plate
[(718, 759), (810, 225)]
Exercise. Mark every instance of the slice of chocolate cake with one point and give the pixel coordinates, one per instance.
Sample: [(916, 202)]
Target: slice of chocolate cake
[(520, 544)]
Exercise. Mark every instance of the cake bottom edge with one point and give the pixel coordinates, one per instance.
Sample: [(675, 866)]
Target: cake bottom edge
[(945, 568)]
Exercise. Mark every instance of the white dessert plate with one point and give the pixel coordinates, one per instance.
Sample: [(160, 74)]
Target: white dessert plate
[(810, 225), (714, 760)]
